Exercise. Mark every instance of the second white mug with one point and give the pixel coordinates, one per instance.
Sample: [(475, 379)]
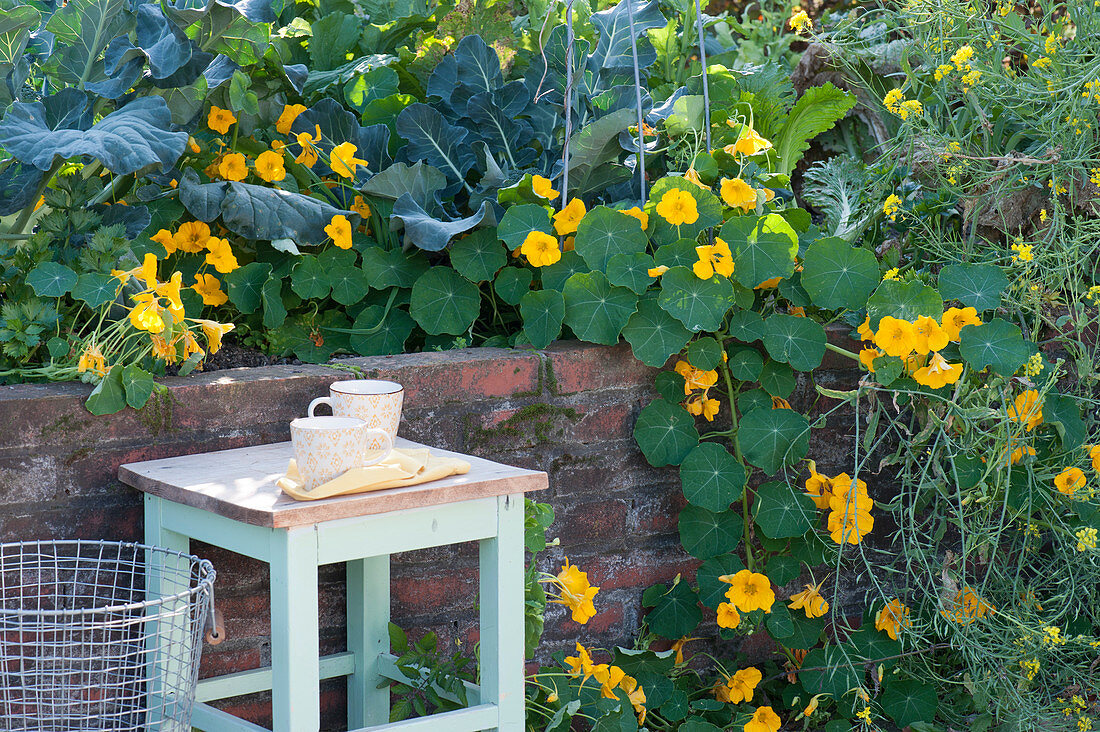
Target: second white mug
[(378, 403)]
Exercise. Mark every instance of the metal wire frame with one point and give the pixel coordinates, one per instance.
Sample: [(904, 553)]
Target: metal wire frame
[(98, 635)]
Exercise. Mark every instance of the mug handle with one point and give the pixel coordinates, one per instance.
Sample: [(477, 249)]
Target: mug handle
[(318, 402), (385, 451)]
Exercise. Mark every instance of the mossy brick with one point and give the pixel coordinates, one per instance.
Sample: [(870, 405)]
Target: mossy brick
[(583, 368)]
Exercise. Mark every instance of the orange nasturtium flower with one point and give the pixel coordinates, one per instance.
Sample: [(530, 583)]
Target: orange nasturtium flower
[(738, 194), (361, 207), (342, 160), (308, 155), (191, 237), (213, 332), (895, 337), (716, 258), (221, 255), (92, 359), (893, 616), (575, 592), (810, 602), (955, 319), (220, 119), (581, 663), (739, 687), (233, 166), (751, 143), (286, 119), (1027, 410), (164, 238), (1070, 481), (764, 719), (965, 607), (938, 372)]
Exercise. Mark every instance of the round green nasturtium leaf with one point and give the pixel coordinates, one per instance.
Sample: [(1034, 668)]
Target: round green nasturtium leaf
[(698, 724), (392, 268), (701, 305), (837, 275), (978, 286), (554, 276), (1064, 413), (746, 326), (478, 255), (680, 253), (271, 295), (309, 280), (596, 310), (669, 384), (631, 271), (444, 302), (791, 289), (512, 283), (676, 707), (997, 344), (711, 477), (783, 569), (654, 335), (95, 289), (869, 644), (51, 279), (835, 673), (707, 534), (753, 399), (904, 300), (674, 612), (378, 337), (779, 622), (665, 432), (707, 205), (745, 363), (519, 221), (244, 285), (909, 701), (138, 384), (705, 353), (764, 247), (797, 341), (777, 379), (109, 395), (712, 591), (604, 233), (806, 633), (349, 285), (543, 312), (58, 347), (782, 512), (772, 438)]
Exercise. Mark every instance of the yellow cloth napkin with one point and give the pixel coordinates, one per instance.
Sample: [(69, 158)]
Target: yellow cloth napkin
[(401, 467)]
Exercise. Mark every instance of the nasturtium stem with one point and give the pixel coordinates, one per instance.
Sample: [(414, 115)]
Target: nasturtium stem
[(842, 351), (731, 391)]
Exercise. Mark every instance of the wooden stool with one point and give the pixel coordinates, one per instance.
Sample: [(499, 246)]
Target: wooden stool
[(229, 499)]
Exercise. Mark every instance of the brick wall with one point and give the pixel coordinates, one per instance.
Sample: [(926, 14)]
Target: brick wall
[(568, 410)]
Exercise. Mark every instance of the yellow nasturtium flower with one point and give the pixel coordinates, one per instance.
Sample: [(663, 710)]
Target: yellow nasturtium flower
[(692, 176), (895, 337), (209, 287), (581, 663), (233, 166), (164, 238), (716, 258), (269, 166), (308, 155), (220, 255), (543, 187), (191, 237), (728, 617), (749, 591), (92, 359), (340, 231), (220, 119), (343, 161), (1070, 481), (213, 332), (955, 319), (170, 291), (361, 207), (938, 372), (928, 336), (147, 314), (1027, 409), (893, 616), (286, 119), (751, 143), (738, 194), (678, 207), (540, 248), (742, 685), (810, 602), (764, 719), (636, 212), (566, 220), (576, 593)]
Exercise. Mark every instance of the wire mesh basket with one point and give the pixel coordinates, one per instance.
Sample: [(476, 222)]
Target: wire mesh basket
[(99, 635)]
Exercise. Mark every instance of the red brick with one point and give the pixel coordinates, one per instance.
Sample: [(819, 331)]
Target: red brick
[(582, 368), (595, 521)]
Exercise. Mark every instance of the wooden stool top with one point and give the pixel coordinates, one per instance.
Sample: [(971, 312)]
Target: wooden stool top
[(240, 484)]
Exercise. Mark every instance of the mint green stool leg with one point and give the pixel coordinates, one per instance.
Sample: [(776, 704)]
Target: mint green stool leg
[(502, 615), (295, 654), (159, 661), (368, 637)]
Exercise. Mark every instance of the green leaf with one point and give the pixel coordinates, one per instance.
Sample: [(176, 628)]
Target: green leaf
[(653, 334), (554, 276), (519, 221), (745, 363), (782, 512), (777, 379), (783, 569), (817, 110), (387, 268), (997, 344), (665, 432), (835, 673), (746, 326), (512, 284), (272, 297), (349, 285), (95, 289), (772, 438), (109, 396), (675, 613), (706, 534), (779, 622), (838, 275), (478, 255), (593, 151), (1063, 412), (764, 247), (390, 335), (904, 300), (705, 354), (806, 633), (707, 204), (909, 701), (309, 280), (245, 285), (138, 384), (631, 271), (753, 399), (700, 305), (869, 644), (711, 589), (51, 279), (543, 312), (974, 285), (596, 310), (604, 233), (444, 301), (670, 385), (679, 253), (797, 341), (711, 477)]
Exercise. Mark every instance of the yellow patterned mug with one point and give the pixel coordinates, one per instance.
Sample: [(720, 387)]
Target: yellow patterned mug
[(327, 447), (378, 403)]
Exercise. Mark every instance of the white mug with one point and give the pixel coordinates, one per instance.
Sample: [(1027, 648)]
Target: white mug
[(327, 447), (378, 403)]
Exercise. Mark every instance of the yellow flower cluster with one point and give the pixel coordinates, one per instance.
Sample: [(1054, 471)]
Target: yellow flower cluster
[(1022, 252), (713, 259), (610, 677), (698, 380), (193, 237), (1086, 539), (575, 592), (800, 22), (896, 103), (848, 504), (891, 207), (918, 343)]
